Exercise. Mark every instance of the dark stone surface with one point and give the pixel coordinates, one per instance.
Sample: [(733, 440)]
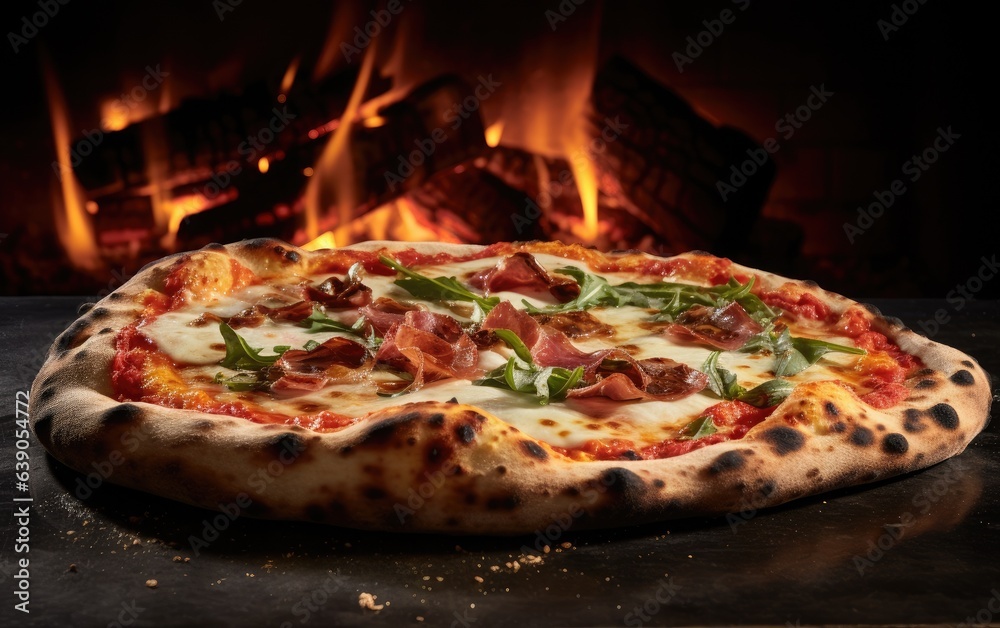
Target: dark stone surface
[(815, 561)]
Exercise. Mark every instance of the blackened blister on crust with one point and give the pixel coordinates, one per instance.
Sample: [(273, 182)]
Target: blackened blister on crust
[(831, 409), (122, 414), (436, 419), (287, 447), (962, 378), (534, 449), (945, 416), (72, 337), (383, 432), (729, 461), (925, 383), (503, 502), (862, 436), (622, 481), (784, 440), (465, 433), (895, 444), (912, 421)]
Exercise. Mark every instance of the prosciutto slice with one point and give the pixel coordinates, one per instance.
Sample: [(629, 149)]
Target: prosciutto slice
[(339, 294), (386, 312), (727, 328), (430, 347), (255, 315), (301, 370), (521, 272), (611, 373)]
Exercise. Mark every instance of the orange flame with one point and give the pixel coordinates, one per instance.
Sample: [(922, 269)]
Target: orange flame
[(72, 225), (325, 241), (335, 163), (493, 134), (289, 78)]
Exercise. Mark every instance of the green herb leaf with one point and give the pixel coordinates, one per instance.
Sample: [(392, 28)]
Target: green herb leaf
[(798, 354), (515, 343), (240, 356), (437, 288), (320, 322), (594, 291), (241, 382), (546, 384), (699, 428), (722, 382), (768, 394)]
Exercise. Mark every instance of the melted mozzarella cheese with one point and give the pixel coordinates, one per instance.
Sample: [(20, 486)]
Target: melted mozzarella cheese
[(566, 424)]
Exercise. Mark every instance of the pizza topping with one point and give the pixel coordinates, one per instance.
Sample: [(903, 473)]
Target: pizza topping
[(429, 347), (578, 324), (338, 294), (793, 354), (547, 384), (240, 356), (699, 428), (318, 322), (386, 312), (726, 327), (520, 272), (661, 379), (437, 289), (793, 298)]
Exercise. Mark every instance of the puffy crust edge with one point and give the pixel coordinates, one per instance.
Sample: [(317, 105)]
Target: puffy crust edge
[(444, 467)]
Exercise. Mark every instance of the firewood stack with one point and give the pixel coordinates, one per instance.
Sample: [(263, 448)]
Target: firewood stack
[(658, 163)]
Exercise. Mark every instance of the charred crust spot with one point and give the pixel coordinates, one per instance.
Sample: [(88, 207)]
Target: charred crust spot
[(84, 308), (503, 502), (452, 400), (629, 455), (99, 312), (437, 452), (72, 337), (831, 409), (912, 422), (501, 470), (571, 491), (203, 425), (81, 356), (116, 296), (962, 378), (768, 488), (315, 512), (784, 440), (658, 483), (292, 256), (945, 416), (729, 461), (924, 373), (383, 432), (534, 449), (214, 246), (839, 427), (968, 363), (46, 394), (622, 481), (286, 447), (862, 436), (872, 309), (374, 492), (43, 427), (436, 419), (122, 414), (106, 330), (925, 383), (812, 473), (465, 433), (895, 444)]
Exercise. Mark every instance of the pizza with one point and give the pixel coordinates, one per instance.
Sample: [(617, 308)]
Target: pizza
[(492, 390)]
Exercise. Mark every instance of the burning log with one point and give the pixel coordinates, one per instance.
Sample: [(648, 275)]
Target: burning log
[(663, 161)]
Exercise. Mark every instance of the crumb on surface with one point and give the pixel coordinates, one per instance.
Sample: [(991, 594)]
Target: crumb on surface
[(152, 583), (71, 568), (367, 601)]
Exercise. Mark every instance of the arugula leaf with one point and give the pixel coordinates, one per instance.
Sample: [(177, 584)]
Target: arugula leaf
[(547, 384), (515, 343), (437, 288), (720, 381), (594, 290), (320, 322), (768, 394), (804, 352), (240, 356), (242, 381), (699, 428)]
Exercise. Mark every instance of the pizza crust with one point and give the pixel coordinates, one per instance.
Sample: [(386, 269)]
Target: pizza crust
[(448, 467)]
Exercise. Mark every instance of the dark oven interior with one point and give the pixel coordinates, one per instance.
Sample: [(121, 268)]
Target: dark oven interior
[(840, 143)]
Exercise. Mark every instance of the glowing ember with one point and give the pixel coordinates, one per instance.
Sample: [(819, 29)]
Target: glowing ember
[(114, 116), (493, 134), (289, 78), (73, 226), (263, 164)]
